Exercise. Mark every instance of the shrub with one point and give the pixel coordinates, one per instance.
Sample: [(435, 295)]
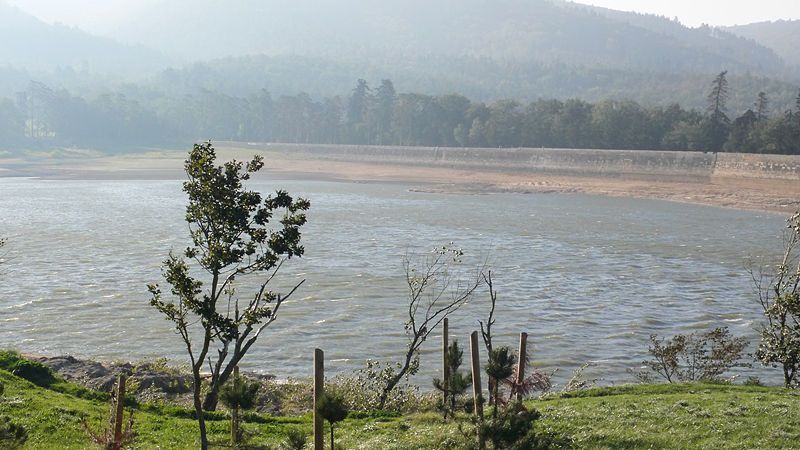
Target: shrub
[(696, 356), (12, 436), (514, 429), (295, 439), (362, 390), (35, 372), (9, 359)]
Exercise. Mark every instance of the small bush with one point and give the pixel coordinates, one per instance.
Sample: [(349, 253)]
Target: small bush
[(362, 390), (696, 356), (295, 439), (35, 372), (753, 381)]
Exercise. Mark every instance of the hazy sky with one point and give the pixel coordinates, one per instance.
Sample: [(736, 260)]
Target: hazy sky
[(101, 15), (91, 15)]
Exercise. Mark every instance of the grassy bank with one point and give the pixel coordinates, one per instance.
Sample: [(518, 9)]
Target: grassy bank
[(641, 416)]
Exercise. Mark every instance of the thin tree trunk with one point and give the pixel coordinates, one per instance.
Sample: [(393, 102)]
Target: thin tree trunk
[(390, 385), (332, 437), (211, 400), (198, 409)]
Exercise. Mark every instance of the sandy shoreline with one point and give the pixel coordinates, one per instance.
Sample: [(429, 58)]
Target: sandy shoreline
[(775, 195)]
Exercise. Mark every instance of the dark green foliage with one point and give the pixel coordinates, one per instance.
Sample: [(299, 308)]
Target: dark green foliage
[(239, 393), (717, 125), (9, 359), (35, 372), (697, 356), (500, 367), (295, 439), (12, 436), (513, 429), (333, 409), (457, 383), (501, 363)]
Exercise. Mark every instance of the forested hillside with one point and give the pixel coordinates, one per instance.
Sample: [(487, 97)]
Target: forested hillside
[(517, 30), (521, 49), (481, 79)]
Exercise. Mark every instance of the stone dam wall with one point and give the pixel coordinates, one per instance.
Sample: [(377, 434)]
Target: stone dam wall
[(606, 163)]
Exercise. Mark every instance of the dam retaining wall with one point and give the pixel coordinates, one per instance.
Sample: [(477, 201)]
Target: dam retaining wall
[(606, 163)]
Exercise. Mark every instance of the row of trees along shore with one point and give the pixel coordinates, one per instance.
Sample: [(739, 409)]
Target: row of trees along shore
[(42, 117)]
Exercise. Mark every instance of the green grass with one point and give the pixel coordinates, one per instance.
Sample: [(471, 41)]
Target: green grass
[(635, 416)]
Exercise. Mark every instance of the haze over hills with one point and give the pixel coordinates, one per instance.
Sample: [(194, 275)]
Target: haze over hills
[(27, 43), (518, 30), (783, 36), (487, 50)]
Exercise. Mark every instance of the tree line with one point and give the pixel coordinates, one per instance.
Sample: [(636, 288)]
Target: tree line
[(44, 117)]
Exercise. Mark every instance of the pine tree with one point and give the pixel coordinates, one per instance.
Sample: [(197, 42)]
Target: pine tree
[(718, 121), (457, 382), (762, 106)]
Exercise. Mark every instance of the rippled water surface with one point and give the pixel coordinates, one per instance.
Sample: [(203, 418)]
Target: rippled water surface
[(588, 277)]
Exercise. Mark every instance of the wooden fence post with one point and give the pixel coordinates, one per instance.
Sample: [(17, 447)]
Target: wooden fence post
[(319, 387), (521, 361), (477, 389), (235, 410), (445, 366), (119, 413)]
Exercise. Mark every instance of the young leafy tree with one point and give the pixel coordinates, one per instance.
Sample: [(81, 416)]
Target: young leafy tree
[(457, 382), (779, 295), (231, 240), (436, 289)]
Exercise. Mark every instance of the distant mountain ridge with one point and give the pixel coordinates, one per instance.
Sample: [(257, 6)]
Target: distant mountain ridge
[(783, 36), (545, 31), (30, 44)]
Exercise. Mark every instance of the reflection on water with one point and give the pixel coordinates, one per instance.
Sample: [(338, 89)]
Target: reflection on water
[(589, 278)]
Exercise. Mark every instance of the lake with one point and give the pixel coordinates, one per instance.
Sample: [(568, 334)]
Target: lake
[(588, 277)]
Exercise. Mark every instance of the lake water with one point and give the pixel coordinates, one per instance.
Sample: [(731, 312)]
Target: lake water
[(588, 277)]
